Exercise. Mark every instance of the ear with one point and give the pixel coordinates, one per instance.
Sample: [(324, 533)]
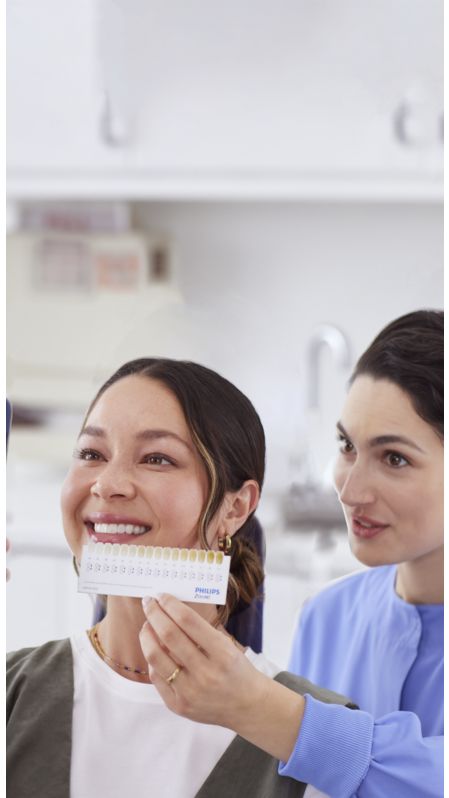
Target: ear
[(237, 506)]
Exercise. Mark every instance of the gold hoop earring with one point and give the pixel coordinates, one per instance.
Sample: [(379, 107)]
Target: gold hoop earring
[(225, 544)]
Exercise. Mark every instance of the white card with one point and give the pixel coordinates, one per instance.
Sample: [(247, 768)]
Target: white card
[(114, 569)]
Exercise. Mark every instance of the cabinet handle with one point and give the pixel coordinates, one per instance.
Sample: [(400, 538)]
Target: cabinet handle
[(114, 128), (417, 125)]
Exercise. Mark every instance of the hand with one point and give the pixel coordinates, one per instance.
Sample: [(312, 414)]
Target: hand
[(217, 683)]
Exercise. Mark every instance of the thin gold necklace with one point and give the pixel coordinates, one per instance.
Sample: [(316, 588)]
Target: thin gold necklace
[(93, 637)]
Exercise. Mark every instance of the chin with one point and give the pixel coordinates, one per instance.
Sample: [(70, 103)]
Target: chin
[(370, 555)]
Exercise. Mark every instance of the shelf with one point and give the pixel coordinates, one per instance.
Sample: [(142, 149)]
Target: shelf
[(263, 186)]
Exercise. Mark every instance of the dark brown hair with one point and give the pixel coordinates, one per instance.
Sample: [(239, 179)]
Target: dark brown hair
[(410, 353), (229, 437)]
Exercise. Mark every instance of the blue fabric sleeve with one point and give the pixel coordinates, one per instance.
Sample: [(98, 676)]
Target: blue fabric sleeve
[(346, 754)]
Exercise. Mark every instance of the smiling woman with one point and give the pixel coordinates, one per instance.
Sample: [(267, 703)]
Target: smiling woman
[(169, 415), (170, 455)]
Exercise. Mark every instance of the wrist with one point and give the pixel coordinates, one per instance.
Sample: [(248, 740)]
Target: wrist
[(270, 717)]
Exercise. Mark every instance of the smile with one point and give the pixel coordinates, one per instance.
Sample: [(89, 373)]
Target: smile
[(114, 530), (120, 529)]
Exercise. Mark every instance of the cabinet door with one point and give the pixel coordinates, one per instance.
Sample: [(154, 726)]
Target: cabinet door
[(51, 97), (311, 86), (313, 89)]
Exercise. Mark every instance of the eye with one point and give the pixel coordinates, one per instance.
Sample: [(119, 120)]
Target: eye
[(396, 460), (87, 454), (158, 459), (346, 447)]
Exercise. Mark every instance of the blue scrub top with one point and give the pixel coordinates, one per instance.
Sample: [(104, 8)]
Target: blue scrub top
[(359, 638)]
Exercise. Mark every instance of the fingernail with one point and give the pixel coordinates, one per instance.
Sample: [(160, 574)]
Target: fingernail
[(145, 602)]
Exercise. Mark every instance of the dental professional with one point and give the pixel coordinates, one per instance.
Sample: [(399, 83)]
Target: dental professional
[(376, 635), (170, 454)]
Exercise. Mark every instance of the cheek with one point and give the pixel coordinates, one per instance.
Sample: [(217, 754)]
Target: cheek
[(73, 490), (181, 503), (425, 506)]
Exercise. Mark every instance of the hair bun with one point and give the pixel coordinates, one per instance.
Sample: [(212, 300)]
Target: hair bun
[(246, 573)]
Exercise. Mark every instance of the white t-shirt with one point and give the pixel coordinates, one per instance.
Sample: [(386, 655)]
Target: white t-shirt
[(132, 744)]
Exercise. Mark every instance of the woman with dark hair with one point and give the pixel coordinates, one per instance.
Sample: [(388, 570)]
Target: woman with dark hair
[(170, 454), (376, 635)]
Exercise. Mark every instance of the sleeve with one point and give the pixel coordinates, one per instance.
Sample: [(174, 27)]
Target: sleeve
[(346, 754), (301, 642)]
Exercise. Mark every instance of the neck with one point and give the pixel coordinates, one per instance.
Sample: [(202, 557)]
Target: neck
[(422, 581), (118, 633)]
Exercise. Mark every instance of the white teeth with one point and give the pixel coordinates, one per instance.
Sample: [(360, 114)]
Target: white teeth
[(368, 526), (119, 529)]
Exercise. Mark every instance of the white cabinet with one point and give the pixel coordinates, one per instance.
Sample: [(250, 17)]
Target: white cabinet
[(308, 99), (51, 93)]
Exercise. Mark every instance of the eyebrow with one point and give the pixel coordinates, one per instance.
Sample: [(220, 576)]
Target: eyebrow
[(144, 435), (382, 440)]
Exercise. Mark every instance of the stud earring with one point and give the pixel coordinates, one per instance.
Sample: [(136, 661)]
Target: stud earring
[(225, 544)]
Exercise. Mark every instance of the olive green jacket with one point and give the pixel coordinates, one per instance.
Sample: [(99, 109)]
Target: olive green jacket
[(39, 733)]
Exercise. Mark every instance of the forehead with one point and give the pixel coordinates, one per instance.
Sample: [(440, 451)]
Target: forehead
[(140, 402), (379, 407)]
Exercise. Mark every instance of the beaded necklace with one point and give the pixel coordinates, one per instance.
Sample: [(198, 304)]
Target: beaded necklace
[(93, 637)]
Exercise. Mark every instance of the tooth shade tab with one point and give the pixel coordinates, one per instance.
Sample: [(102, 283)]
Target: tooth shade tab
[(194, 575)]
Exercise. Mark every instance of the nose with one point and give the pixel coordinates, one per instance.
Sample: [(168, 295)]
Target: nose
[(354, 484), (114, 481)]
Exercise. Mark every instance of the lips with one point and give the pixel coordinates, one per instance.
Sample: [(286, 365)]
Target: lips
[(114, 528), (366, 528)]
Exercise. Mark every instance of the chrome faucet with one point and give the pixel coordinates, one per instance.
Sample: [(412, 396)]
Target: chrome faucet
[(324, 335), (309, 504)]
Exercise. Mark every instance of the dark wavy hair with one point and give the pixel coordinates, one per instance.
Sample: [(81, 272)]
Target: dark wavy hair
[(410, 353), (230, 440)]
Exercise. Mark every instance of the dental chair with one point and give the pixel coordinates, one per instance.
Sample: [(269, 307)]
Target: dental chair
[(246, 622)]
